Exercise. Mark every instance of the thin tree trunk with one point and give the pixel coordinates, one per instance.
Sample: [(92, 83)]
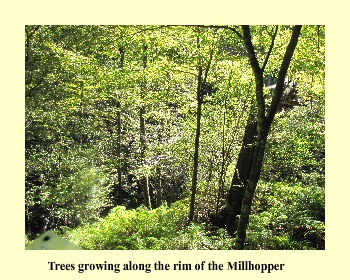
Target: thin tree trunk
[(201, 82), (144, 179), (196, 144)]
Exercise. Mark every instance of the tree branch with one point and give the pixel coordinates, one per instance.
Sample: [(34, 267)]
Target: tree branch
[(247, 38), (282, 73), (270, 49), (258, 72)]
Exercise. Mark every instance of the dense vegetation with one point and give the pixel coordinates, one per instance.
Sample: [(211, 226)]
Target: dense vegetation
[(135, 136)]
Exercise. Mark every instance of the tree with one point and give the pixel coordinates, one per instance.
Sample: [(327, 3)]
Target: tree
[(202, 90), (264, 121), (144, 179)]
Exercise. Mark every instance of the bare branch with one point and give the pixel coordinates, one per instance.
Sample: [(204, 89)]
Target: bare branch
[(270, 49)]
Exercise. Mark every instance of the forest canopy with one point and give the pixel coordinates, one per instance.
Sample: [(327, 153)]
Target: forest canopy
[(176, 137)]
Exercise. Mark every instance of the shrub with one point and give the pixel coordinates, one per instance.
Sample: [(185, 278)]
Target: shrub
[(140, 229)]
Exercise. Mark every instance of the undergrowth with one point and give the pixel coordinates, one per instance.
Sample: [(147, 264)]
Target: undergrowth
[(284, 217), (163, 228)]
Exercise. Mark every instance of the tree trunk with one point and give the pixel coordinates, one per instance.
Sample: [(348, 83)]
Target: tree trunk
[(144, 179), (249, 189), (241, 175), (196, 145)]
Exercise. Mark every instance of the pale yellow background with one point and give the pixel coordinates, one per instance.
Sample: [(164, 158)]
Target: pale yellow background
[(16, 263)]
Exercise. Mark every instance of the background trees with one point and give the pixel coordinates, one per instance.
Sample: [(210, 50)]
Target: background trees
[(155, 116)]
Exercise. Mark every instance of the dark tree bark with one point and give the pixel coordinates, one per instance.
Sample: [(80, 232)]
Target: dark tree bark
[(144, 179), (263, 123), (241, 175)]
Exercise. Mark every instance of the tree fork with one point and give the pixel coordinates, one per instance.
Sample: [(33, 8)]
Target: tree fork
[(263, 124)]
